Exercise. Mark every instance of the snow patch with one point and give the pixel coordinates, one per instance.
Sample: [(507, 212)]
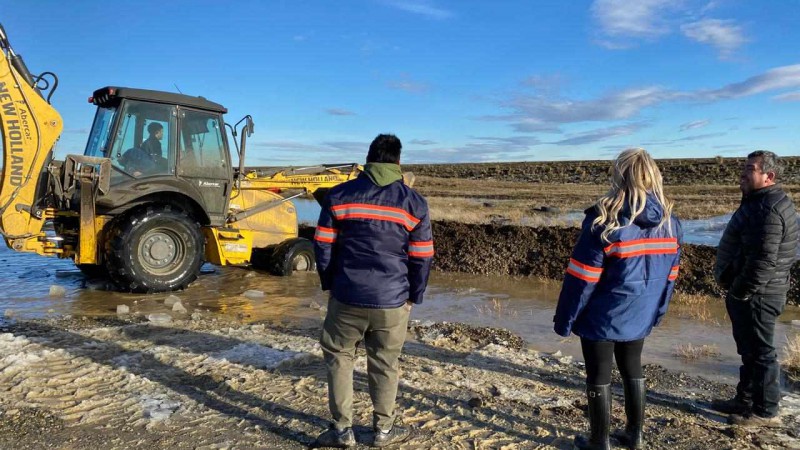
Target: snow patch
[(259, 356)]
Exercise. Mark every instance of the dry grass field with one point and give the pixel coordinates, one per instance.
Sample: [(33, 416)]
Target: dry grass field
[(536, 204)]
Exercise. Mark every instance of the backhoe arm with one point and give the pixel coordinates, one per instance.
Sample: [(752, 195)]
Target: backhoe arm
[(30, 129)]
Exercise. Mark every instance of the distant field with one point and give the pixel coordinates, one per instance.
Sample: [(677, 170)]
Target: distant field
[(538, 193), (696, 171)]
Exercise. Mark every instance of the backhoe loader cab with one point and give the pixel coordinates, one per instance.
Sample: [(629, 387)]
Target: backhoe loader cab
[(155, 193), (160, 141)]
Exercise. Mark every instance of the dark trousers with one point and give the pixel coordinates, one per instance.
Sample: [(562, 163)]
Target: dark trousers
[(598, 358), (753, 330)]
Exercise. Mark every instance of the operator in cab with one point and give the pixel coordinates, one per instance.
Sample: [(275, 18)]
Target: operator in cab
[(147, 159)]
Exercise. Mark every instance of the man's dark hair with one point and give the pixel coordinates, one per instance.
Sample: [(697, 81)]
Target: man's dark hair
[(154, 127), (769, 162), (385, 149)]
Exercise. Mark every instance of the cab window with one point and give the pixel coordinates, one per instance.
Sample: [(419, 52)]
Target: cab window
[(201, 148), (143, 145)]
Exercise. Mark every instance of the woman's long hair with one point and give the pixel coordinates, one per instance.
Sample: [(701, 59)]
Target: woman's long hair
[(634, 174)]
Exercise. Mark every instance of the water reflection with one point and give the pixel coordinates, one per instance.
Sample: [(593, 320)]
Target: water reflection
[(524, 306)]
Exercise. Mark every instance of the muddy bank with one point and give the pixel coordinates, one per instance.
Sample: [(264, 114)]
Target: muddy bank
[(544, 252), (697, 171), (211, 384)]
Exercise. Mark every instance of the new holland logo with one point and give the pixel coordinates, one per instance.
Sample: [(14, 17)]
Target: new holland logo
[(205, 183), (14, 136)]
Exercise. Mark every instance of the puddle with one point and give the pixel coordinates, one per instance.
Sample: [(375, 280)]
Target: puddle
[(524, 306)]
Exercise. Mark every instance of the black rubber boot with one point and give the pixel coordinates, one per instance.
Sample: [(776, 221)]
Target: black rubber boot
[(599, 418), (635, 399)]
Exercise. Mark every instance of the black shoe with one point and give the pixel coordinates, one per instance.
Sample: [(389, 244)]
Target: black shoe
[(754, 420), (599, 419), (635, 400), (333, 438), (396, 435), (734, 405)]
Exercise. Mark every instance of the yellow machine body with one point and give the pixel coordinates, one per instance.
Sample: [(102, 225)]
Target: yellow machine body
[(31, 128), (228, 246), (268, 227)]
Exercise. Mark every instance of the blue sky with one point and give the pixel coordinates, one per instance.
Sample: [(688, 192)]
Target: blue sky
[(457, 80)]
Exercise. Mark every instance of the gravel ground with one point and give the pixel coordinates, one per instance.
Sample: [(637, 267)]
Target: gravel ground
[(212, 384)]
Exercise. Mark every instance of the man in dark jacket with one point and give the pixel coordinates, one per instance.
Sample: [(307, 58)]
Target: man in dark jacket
[(753, 263), (374, 249)]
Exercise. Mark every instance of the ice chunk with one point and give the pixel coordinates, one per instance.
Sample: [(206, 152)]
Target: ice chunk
[(123, 309), (179, 308), (171, 300), (253, 294), (159, 318), (57, 291)]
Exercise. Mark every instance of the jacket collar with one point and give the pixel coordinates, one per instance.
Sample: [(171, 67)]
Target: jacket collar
[(763, 191)]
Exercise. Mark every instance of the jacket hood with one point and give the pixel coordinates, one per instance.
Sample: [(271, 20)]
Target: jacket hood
[(649, 217), (383, 174)]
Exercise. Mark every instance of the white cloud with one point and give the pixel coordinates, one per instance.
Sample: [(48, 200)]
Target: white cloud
[(540, 113), (694, 125), (622, 22), (788, 97), (725, 35), (422, 142), (699, 137), (407, 85), (779, 78), (600, 134), (339, 112), (641, 18), (425, 8)]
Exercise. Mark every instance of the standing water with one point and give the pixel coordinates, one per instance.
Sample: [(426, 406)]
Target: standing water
[(524, 306)]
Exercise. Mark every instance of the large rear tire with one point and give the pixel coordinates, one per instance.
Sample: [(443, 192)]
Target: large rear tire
[(154, 249)]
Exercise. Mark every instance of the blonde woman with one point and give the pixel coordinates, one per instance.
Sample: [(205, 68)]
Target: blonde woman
[(617, 287)]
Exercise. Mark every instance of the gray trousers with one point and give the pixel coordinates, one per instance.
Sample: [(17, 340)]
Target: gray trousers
[(383, 332)]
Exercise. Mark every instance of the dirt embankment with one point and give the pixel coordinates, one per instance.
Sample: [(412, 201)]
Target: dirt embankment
[(544, 252), (695, 171)]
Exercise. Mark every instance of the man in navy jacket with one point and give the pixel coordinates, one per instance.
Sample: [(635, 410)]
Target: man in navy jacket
[(374, 249)]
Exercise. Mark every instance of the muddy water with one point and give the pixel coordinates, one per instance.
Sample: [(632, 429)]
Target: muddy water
[(524, 306)]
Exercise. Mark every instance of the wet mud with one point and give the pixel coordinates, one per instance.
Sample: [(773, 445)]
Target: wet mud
[(695, 171)]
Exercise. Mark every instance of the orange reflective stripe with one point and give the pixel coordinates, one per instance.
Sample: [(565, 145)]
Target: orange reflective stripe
[(639, 247), (327, 235), (583, 271), (375, 212), (420, 249), (673, 273)]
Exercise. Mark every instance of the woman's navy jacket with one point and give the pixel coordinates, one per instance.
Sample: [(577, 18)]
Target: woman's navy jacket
[(620, 290), (373, 245)]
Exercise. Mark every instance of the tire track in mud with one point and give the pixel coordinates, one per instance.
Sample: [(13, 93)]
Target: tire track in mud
[(211, 384)]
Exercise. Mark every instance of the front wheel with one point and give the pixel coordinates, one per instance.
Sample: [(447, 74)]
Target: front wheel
[(294, 255), (154, 249)]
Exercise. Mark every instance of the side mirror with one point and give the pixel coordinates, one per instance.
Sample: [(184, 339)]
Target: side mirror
[(250, 126)]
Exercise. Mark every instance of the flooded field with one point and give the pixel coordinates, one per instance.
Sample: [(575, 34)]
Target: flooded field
[(522, 305)]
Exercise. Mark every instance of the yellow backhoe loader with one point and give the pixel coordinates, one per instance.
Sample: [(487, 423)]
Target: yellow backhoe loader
[(155, 193)]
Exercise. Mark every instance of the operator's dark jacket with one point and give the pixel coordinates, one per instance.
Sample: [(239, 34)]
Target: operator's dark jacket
[(759, 246), (373, 244)]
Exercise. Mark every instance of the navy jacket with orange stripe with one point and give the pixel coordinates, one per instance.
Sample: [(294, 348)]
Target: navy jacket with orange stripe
[(373, 245), (620, 290)]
